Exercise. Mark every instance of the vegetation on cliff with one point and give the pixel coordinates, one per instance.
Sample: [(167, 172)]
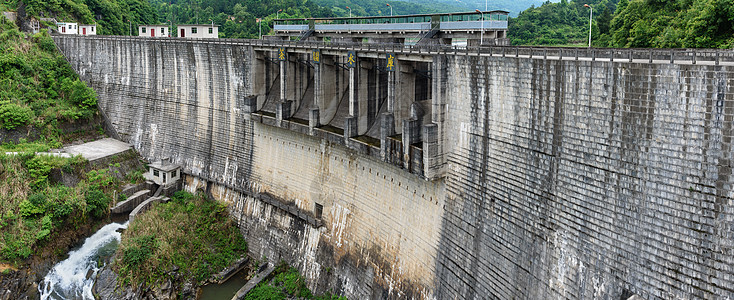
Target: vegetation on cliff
[(37, 86), (38, 89), (34, 209), (113, 16), (628, 23), (190, 236)]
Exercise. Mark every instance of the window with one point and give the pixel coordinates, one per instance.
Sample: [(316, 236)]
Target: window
[(193, 30), (69, 26), (318, 211), (155, 173), (164, 177), (92, 28), (143, 29), (163, 31), (210, 30)]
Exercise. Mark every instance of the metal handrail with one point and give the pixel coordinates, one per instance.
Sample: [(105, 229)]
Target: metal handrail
[(676, 56)]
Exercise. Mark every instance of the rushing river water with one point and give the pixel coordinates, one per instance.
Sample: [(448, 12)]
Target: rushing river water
[(73, 277)]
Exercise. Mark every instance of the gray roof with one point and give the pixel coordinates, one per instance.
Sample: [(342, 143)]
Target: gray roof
[(164, 166)]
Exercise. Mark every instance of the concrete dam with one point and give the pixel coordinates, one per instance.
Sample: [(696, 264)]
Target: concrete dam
[(493, 172)]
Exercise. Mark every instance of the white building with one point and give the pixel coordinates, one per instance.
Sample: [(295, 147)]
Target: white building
[(153, 30), (206, 31), (163, 172), (88, 29), (67, 28)]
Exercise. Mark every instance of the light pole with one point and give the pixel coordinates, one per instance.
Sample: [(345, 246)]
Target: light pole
[(277, 14), (130, 28), (485, 5), (390, 9), (259, 22), (591, 13), (350, 11), (169, 29), (481, 33)]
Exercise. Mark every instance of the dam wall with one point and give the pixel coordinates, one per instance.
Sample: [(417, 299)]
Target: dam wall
[(562, 178), (380, 226), (581, 179)]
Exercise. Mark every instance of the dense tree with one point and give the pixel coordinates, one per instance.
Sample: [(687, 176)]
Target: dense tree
[(562, 23), (236, 18), (635, 23)]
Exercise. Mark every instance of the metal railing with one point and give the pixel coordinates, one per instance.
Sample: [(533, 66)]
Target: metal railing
[(675, 56)]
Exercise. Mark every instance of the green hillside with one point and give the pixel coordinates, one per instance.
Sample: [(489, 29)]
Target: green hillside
[(636, 23)]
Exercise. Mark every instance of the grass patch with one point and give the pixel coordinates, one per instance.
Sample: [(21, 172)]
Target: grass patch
[(286, 284), (190, 234)]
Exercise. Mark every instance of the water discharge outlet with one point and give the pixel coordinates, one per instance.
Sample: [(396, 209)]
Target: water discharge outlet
[(73, 278)]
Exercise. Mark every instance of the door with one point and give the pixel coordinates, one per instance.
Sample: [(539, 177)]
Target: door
[(63, 29), (84, 31), (183, 32), (152, 32)]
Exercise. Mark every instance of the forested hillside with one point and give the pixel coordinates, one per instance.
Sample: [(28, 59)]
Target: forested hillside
[(562, 23), (113, 16), (635, 23), (668, 24), (236, 18)]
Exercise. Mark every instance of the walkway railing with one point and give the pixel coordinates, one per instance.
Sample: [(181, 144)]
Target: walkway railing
[(674, 56)]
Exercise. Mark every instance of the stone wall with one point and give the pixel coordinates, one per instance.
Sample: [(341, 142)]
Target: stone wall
[(579, 179), (564, 179)]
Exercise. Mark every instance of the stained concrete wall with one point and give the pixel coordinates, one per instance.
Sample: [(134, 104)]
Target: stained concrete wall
[(587, 179), (564, 179), (183, 100)]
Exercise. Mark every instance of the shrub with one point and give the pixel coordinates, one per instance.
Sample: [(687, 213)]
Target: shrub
[(28, 210), (13, 115), (141, 249), (99, 179), (293, 283), (38, 170), (46, 226), (45, 42), (265, 291), (97, 202), (81, 95)]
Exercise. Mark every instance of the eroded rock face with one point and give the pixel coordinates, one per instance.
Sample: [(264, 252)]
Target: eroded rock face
[(105, 287)]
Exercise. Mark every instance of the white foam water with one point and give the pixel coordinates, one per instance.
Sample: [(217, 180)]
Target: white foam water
[(73, 277)]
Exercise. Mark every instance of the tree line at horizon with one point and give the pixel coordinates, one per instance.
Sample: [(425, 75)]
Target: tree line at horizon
[(616, 23)]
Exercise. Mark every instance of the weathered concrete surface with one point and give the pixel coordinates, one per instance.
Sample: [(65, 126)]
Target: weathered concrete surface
[(131, 202), (98, 149), (587, 180), (146, 205), (184, 101), (564, 179)]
